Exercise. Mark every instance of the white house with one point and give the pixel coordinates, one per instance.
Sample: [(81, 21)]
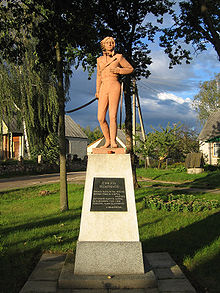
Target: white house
[(209, 139)]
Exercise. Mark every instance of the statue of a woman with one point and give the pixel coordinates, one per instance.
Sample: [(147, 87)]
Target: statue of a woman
[(108, 88)]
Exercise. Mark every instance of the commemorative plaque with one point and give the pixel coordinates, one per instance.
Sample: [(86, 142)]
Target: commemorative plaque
[(108, 194)]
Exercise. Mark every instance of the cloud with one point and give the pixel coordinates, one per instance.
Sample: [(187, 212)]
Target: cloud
[(165, 96), (168, 96)]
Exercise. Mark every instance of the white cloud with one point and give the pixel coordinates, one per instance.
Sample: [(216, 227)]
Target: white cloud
[(168, 96)]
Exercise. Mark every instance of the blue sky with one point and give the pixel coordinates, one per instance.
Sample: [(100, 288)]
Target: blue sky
[(165, 96)]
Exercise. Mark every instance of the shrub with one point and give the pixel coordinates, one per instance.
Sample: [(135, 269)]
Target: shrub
[(211, 167), (180, 203)]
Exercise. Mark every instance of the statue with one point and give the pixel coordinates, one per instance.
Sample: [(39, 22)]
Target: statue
[(108, 88)]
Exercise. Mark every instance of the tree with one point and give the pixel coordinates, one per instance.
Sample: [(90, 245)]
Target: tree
[(161, 144), (208, 98), (93, 135), (61, 28), (197, 24), (32, 95)]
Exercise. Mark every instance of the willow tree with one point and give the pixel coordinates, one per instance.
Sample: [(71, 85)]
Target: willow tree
[(65, 31)]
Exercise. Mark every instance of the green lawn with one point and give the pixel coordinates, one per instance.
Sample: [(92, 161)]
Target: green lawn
[(31, 223), (203, 180)]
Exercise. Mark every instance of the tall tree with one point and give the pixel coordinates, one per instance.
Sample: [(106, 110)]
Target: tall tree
[(197, 24), (208, 98), (59, 27)]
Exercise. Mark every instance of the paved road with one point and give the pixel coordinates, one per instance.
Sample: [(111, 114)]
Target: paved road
[(31, 180)]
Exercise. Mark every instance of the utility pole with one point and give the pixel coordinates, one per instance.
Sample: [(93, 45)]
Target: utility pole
[(140, 115), (134, 114)]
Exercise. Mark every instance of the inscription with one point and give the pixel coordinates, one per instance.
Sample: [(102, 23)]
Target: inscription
[(108, 194)]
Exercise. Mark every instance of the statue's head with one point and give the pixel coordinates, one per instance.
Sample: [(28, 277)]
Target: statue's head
[(106, 41)]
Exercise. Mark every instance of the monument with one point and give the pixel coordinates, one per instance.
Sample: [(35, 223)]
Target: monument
[(109, 252)]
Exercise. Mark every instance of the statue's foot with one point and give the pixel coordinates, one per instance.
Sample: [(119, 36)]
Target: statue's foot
[(114, 145), (106, 145)]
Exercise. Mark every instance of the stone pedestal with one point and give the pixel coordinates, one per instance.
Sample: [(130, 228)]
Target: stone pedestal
[(108, 242)]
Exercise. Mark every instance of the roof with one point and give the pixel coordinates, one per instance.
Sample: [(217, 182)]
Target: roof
[(211, 128), (13, 125), (72, 129)]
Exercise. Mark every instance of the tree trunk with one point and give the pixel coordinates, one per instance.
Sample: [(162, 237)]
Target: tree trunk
[(61, 131), (128, 128)]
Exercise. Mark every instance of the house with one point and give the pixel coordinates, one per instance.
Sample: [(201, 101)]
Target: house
[(12, 142), (76, 139), (209, 139)]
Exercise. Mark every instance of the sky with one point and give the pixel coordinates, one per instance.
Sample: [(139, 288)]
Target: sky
[(166, 96)]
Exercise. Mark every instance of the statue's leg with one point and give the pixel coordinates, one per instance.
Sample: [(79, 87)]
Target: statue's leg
[(114, 97), (103, 103)]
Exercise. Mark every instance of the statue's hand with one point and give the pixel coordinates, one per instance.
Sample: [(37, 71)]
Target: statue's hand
[(115, 70), (97, 96)]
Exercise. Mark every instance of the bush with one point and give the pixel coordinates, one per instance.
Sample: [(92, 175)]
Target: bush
[(50, 151), (9, 162), (177, 167), (180, 203), (211, 167)]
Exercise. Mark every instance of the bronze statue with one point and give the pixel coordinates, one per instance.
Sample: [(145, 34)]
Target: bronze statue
[(108, 88)]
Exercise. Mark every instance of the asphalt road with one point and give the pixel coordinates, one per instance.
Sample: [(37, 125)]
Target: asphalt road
[(31, 180)]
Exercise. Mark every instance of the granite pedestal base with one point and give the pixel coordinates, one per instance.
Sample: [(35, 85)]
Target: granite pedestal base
[(108, 258), (68, 279)]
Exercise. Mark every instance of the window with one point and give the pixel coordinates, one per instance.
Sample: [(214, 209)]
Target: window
[(216, 149)]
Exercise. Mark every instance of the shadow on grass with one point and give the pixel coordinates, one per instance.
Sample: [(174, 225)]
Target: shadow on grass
[(43, 223), (212, 180), (186, 242), (158, 176), (18, 260)]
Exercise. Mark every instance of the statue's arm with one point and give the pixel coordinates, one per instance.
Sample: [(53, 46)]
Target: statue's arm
[(98, 80), (126, 67)]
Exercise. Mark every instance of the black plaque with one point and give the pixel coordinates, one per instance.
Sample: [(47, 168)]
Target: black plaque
[(108, 194)]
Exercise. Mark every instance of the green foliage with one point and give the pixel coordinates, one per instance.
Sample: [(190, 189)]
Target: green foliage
[(31, 94), (92, 135), (160, 144), (208, 98), (180, 203), (49, 151), (196, 23), (177, 167), (171, 142)]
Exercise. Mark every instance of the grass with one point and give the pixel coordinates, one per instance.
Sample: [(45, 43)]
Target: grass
[(208, 179), (31, 224)]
